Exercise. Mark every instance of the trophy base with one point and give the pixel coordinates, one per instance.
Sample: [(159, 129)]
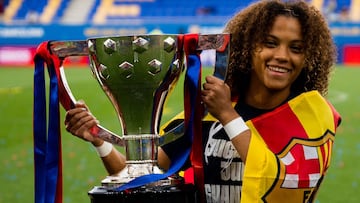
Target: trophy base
[(183, 193), (131, 171)]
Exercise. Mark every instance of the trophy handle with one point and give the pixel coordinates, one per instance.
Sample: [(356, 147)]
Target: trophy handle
[(63, 49), (221, 43)]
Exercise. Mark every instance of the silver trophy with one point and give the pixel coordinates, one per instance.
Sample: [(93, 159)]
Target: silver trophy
[(137, 73)]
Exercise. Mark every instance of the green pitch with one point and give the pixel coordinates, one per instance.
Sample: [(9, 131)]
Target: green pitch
[(82, 169)]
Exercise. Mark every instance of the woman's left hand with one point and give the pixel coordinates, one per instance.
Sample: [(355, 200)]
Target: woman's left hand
[(216, 95)]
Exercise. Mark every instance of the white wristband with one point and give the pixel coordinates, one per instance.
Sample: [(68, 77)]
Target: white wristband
[(104, 149), (235, 127)]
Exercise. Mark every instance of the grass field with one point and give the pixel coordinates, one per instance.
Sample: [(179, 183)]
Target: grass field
[(83, 169)]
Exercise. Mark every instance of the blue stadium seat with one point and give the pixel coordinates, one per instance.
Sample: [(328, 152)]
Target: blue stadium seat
[(158, 8)]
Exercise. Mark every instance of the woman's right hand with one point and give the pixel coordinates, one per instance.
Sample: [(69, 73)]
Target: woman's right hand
[(79, 121)]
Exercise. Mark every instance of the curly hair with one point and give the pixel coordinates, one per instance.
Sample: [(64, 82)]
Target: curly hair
[(250, 27)]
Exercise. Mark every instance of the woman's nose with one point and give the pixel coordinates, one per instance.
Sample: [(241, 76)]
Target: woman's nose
[(281, 53)]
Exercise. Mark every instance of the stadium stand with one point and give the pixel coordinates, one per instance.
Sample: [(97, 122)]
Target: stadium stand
[(106, 11), (110, 11), (26, 23), (75, 11), (49, 11)]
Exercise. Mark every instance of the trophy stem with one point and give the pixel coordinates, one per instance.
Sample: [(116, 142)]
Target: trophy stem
[(141, 148), (141, 159)]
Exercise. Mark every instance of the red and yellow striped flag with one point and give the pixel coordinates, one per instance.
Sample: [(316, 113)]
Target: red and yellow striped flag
[(290, 151)]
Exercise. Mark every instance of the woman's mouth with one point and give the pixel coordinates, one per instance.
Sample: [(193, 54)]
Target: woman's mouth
[(278, 69)]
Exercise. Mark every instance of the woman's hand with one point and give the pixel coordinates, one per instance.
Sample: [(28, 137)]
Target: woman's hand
[(79, 121), (217, 98), (216, 95)]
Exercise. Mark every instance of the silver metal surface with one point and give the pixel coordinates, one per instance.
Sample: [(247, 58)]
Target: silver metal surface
[(137, 73)]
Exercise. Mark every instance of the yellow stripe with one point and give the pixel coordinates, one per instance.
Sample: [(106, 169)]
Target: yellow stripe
[(109, 8), (320, 116), (330, 152), (11, 10), (50, 11), (101, 11), (317, 4), (260, 168)]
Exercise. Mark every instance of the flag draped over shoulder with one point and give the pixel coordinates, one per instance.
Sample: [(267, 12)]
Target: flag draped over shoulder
[(290, 151)]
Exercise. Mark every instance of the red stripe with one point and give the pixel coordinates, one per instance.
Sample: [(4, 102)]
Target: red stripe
[(59, 185), (275, 129), (190, 45)]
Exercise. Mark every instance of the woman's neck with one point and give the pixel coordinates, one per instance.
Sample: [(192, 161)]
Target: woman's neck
[(266, 99)]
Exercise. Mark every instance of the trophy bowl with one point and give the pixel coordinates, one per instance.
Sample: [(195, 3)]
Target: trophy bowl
[(137, 73)]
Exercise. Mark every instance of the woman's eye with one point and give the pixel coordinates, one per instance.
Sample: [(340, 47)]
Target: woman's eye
[(270, 44), (296, 49)]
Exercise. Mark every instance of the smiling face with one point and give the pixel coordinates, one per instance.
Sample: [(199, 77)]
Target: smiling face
[(279, 59)]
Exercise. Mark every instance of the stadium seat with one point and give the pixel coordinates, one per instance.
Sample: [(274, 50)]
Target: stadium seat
[(354, 12), (50, 11), (102, 11)]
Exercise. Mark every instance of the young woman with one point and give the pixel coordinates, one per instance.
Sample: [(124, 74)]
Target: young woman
[(274, 144)]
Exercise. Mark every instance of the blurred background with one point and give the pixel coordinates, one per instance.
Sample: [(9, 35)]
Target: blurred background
[(24, 24)]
